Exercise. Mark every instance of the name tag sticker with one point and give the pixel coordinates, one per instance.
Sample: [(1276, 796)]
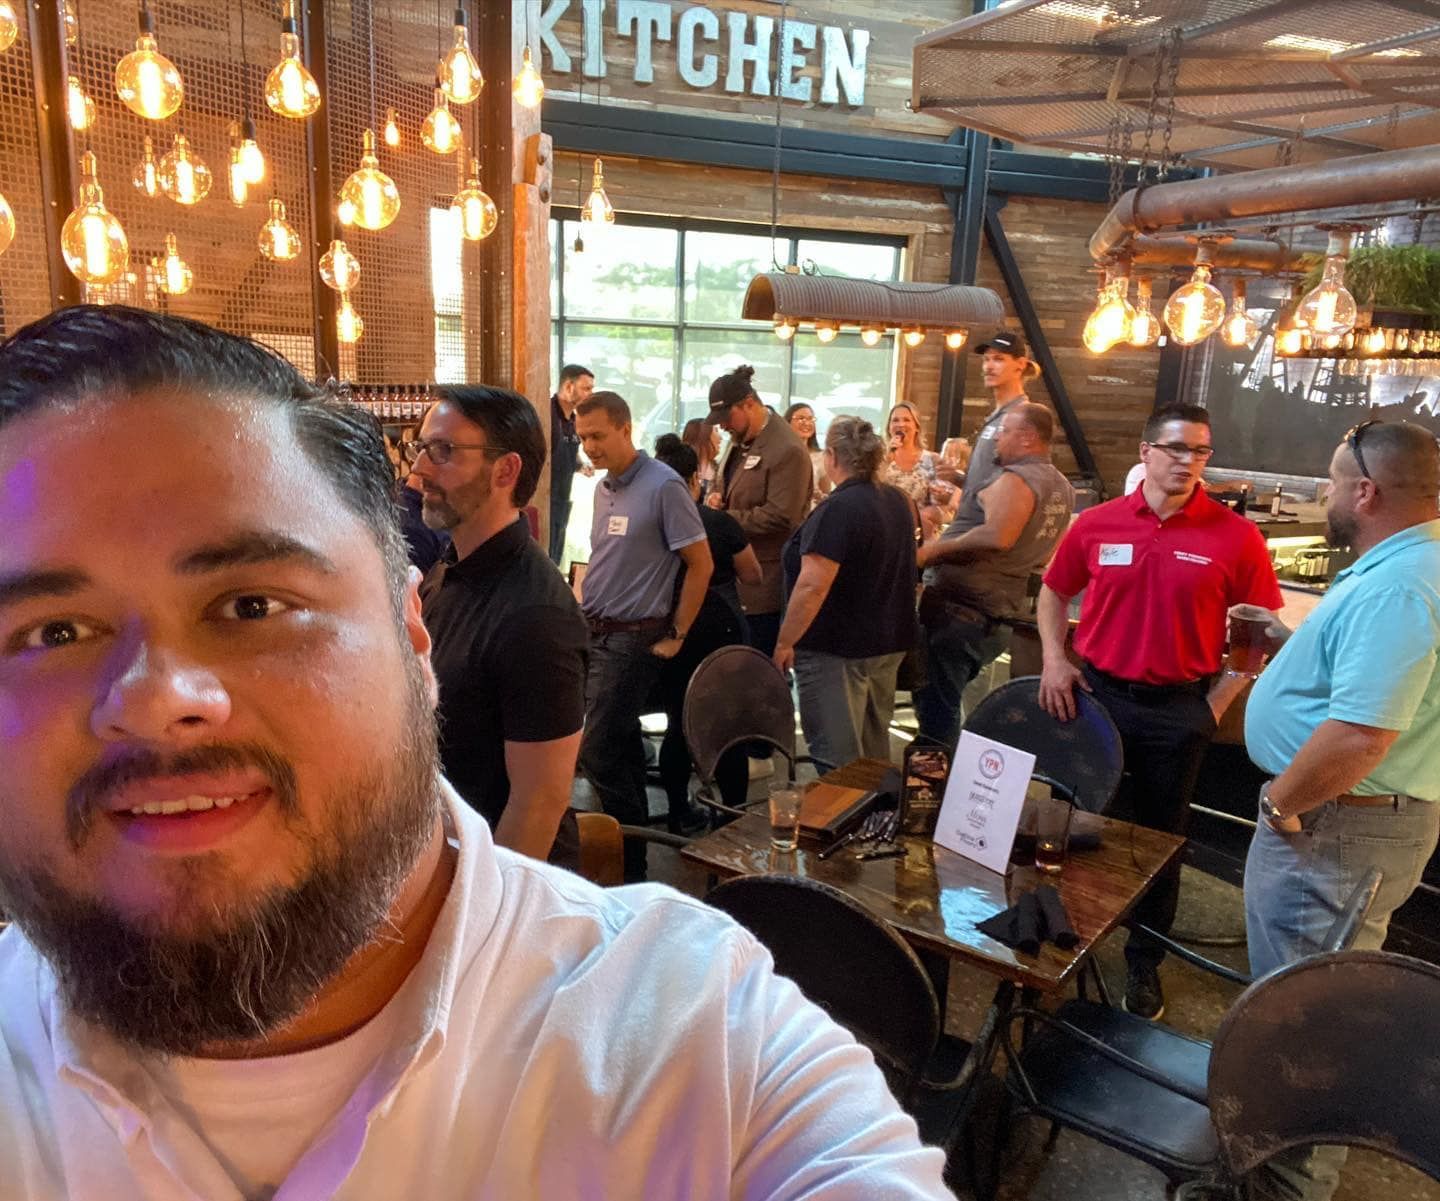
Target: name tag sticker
[(1115, 554), (751, 461), (617, 525)]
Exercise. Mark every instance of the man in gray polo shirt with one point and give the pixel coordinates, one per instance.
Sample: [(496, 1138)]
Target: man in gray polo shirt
[(644, 529)]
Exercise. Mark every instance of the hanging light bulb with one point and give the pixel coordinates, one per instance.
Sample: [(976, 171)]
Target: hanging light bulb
[(529, 88), (176, 278), (348, 325), (1144, 326), (459, 73), (1239, 328), (1329, 309), (914, 336), (370, 191), (7, 225), (474, 208), (784, 328), (279, 241), (1109, 323), (440, 131), (345, 213), (392, 128), (9, 26), (579, 248), (955, 338), (290, 89), (92, 240), (147, 81), (826, 331), (184, 177), (598, 210), (339, 268), (147, 171), (870, 335), (79, 108), (252, 158), (1195, 311), (239, 189), (1289, 341)]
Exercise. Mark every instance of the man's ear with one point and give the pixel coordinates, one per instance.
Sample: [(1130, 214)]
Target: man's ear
[(417, 635)]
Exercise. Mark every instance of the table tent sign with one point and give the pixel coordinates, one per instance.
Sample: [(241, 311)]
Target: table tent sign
[(984, 798)]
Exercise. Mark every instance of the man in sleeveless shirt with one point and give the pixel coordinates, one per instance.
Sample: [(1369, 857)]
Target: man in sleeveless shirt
[(977, 572)]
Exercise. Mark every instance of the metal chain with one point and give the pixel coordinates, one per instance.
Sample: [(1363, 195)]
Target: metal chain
[(1171, 81), (1392, 126), (1112, 157), (1145, 152)]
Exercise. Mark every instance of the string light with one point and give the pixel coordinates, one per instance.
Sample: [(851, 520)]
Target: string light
[(475, 209), (1328, 309), (870, 335), (147, 171), (1195, 311), (348, 325), (1144, 325), (440, 131), (459, 73), (1239, 328), (9, 26), (79, 108), (529, 88), (290, 89), (598, 209), (826, 331), (176, 278), (955, 339), (392, 129), (279, 240), (372, 194), (784, 328), (339, 268), (913, 336), (184, 177), (148, 83), (92, 240)]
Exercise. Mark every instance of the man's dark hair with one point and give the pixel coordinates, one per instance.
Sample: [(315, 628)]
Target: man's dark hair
[(1403, 457), (1195, 414), (612, 404), (573, 371), (86, 352), (510, 424), (671, 450)]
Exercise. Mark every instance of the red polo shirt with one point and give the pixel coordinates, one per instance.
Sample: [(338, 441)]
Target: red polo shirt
[(1156, 592)]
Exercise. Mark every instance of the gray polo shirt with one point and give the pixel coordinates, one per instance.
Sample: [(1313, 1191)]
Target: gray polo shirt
[(642, 517)]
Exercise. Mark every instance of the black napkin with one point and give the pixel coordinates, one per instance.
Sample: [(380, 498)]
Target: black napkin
[(1057, 922), (1036, 915)]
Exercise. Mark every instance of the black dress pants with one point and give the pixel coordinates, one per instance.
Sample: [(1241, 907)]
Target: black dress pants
[(1165, 732)]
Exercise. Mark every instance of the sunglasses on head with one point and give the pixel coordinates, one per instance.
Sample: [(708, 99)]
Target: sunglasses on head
[(1352, 439)]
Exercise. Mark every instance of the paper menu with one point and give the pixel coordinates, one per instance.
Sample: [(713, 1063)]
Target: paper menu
[(984, 798)]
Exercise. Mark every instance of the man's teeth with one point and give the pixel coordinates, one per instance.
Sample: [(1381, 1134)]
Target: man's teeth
[(189, 804)]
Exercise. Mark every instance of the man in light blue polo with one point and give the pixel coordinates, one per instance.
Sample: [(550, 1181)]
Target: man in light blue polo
[(1347, 721), (644, 529)]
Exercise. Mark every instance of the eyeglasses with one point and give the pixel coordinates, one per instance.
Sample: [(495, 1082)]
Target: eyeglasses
[(1182, 450), (441, 450), (1352, 440)]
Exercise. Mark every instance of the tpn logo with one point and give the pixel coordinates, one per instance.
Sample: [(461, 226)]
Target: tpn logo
[(992, 763)]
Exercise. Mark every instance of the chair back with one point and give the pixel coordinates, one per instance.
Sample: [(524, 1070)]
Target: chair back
[(1338, 1048), (602, 849), (736, 695), (1084, 754), (847, 961)]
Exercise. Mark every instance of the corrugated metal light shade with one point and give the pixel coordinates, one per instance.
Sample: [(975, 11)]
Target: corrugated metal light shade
[(870, 302)]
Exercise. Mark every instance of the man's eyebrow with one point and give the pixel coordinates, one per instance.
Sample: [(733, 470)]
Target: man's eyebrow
[(33, 585), (252, 547)]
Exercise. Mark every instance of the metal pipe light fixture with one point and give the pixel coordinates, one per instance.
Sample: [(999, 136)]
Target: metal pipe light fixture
[(290, 89), (92, 239), (146, 81)]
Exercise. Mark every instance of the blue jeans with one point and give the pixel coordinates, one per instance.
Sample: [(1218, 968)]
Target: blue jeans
[(621, 677), (846, 705), (956, 648), (1295, 886)]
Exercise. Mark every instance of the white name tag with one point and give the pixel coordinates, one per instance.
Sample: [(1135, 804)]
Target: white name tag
[(617, 525), (751, 461), (1116, 554), (988, 432)]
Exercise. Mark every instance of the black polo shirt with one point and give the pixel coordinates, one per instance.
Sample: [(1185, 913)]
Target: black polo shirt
[(509, 651)]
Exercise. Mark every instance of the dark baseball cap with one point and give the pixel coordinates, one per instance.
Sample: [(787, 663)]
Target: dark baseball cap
[(718, 408), (1006, 342)]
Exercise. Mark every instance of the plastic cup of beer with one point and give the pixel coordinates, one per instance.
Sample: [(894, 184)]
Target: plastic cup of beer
[(1249, 639), (785, 818), (1052, 832)]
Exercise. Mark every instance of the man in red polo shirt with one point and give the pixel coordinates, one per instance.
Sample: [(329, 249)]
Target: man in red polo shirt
[(1160, 568)]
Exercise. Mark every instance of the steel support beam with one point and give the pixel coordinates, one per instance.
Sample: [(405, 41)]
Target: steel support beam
[(52, 130), (967, 210), (322, 192)]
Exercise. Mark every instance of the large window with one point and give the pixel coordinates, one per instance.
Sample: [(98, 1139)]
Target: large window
[(653, 308)]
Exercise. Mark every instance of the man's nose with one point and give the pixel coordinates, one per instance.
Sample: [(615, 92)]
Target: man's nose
[(157, 694)]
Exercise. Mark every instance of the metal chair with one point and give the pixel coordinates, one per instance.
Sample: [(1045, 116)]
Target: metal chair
[(602, 846), (1137, 1085), (1084, 754), (736, 697)]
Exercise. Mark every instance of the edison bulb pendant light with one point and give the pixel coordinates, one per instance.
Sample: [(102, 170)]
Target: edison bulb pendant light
[(827, 331), (345, 213), (147, 81), (348, 325), (459, 73), (392, 128), (339, 268), (529, 88), (290, 89), (252, 158), (370, 191), (176, 278), (7, 225), (1329, 310), (914, 337), (279, 242), (184, 177), (9, 26), (147, 171), (92, 240), (955, 339), (79, 108), (1144, 325), (598, 209), (1289, 341), (1195, 311), (784, 328), (477, 213), (1109, 323), (239, 188), (441, 131), (1239, 328), (870, 335)]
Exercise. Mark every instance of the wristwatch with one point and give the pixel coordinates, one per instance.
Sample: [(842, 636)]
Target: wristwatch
[(1267, 808)]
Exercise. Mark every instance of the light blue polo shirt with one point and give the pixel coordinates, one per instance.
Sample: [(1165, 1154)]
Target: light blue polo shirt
[(642, 517), (1367, 654)]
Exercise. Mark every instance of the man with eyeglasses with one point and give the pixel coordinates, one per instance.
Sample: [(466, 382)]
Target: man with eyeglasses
[(509, 644), (1160, 569), (1346, 720)]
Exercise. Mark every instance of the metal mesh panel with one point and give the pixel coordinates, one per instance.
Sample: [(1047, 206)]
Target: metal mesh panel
[(24, 267)]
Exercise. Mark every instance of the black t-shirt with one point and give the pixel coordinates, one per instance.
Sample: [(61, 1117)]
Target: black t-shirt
[(726, 540), (869, 529), (510, 650)]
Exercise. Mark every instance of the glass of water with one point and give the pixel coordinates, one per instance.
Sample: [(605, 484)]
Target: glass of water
[(785, 817)]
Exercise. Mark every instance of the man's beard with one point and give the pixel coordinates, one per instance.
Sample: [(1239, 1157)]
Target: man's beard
[(1340, 528), (437, 512), (262, 961)]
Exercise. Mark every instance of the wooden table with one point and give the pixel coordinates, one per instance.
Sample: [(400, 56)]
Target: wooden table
[(934, 898)]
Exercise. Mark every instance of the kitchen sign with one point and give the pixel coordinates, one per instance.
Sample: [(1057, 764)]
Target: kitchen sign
[(715, 48)]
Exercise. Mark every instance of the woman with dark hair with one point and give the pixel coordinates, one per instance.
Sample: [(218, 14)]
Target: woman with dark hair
[(850, 573), (720, 622), (801, 419), (704, 440)]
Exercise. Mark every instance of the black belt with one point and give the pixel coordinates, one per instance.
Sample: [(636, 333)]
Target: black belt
[(1143, 691), (606, 625)]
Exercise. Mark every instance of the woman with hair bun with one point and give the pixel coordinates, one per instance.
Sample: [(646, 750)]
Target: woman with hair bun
[(850, 572)]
